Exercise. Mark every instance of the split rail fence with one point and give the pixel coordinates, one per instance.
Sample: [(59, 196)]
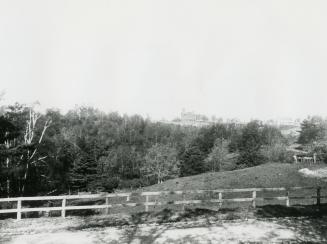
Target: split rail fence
[(146, 196)]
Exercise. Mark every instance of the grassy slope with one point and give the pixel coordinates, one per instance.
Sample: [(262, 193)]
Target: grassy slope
[(267, 175)]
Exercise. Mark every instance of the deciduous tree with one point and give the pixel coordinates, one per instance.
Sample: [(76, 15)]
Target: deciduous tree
[(161, 162)]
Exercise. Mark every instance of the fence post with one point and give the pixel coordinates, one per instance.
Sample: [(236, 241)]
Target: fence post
[(146, 203), (19, 209), (318, 195), (107, 203), (287, 199), (254, 196), (220, 197), (183, 206), (63, 208)]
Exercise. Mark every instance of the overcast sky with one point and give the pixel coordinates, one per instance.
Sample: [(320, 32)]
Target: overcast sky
[(232, 58)]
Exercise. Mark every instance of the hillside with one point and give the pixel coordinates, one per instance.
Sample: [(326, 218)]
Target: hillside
[(266, 175)]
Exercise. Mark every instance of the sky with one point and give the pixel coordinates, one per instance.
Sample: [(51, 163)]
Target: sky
[(232, 59)]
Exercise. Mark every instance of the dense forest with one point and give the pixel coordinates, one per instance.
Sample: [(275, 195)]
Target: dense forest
[(88, 150)]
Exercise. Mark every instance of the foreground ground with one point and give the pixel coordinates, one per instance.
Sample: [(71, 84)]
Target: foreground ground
[(170, 227), (227, 232)]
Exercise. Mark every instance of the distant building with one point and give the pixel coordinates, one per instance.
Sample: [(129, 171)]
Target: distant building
[(198, 120), (192, 119), (287, 126)]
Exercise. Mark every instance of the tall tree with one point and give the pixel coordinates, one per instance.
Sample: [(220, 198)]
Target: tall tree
[(192, 161), (312, 130), (250, 144), (8, 133), (218, 155), (31, 128)]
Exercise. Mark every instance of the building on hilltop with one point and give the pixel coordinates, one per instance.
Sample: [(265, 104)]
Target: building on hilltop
[(198, 120)]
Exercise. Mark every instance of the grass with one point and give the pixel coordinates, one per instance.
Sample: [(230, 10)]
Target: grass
[(266, 175)]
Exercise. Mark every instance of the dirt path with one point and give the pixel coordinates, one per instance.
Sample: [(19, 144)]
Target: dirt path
[(71, 230)]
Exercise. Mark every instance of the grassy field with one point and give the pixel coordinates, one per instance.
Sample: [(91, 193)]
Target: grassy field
[(266, 175), (263, 176)]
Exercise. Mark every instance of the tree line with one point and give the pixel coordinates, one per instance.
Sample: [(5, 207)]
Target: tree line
[(89, 150)]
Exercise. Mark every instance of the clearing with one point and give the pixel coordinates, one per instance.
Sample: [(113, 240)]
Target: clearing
[(265, 175)]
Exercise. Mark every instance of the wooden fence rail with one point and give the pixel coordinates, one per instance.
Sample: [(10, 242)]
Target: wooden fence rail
[(64, 207)]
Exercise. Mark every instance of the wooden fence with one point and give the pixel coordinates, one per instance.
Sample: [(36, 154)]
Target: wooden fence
[(252, 198)]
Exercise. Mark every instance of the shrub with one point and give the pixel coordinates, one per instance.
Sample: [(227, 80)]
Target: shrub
[(275, 153), (321, 151), (132, 184)]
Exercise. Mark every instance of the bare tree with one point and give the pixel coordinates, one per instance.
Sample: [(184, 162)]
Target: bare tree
[(161, 162), (30, 138), (218, 155)]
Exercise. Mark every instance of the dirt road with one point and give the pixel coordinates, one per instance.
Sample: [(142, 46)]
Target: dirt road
[(73, 230)]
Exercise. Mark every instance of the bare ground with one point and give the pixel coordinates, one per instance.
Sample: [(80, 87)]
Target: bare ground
[(198, 229)]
